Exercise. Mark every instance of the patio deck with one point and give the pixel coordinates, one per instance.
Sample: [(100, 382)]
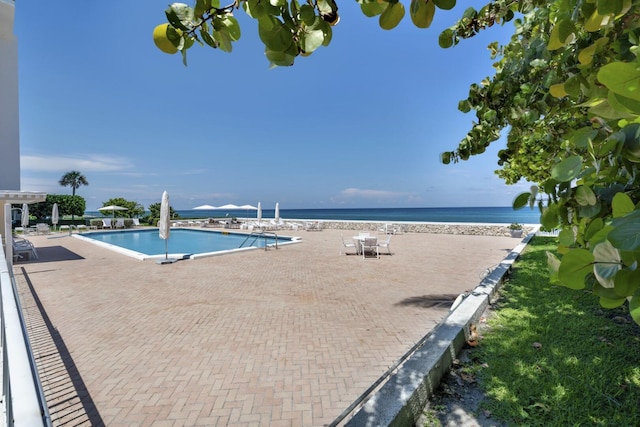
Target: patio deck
[(287, 337)]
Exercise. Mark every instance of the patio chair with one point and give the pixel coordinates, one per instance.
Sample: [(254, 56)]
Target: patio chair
[(42, 228), (106, 223), (370, 244), (386, 244), (347, 246), (120, 223)]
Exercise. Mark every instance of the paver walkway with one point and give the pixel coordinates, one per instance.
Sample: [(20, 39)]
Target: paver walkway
[(287, 337)]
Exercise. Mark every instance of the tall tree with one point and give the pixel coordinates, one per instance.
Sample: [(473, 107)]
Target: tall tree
[(73, 179)]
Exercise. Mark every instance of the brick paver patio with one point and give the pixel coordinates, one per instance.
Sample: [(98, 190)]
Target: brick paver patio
[(287, 337)]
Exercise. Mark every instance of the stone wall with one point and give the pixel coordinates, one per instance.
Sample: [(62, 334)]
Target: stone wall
[(421, 227)]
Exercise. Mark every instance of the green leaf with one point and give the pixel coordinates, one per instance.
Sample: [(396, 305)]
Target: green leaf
[(561, 34), (558, 90), (590, 211), (224, 39), (311, 40), (626, 232), (521, 200), (207, 38), (274, 34), (232, 27), (567, 169), (606, 7), (281, 59), (623, 104), (607, 263), (611, 303), (627, 282), (422, 13), (445, 39), (180, 16), (595, 22), (622, 205), (594, 226), (307, 14), (574, 267), (567, 237), (373, 8), (549, 217), (445, 4), (585, 196), (622, 78), (254, 8), (392, 16), (634, 307)]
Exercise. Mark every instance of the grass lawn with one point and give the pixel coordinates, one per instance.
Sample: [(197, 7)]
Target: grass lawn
[(551, 356)]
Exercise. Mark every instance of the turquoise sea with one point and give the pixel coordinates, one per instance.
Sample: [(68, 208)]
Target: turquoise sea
[(501, 215), (498, 215)]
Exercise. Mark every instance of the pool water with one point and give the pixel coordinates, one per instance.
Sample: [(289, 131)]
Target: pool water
[(143, 244)]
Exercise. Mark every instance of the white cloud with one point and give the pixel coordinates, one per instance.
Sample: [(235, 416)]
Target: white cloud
[(88, 163)]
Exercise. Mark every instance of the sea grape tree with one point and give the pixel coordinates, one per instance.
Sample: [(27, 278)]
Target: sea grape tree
[(565, 93)]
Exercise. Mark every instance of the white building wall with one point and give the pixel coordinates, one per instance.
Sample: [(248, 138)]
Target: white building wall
[(9, 120)]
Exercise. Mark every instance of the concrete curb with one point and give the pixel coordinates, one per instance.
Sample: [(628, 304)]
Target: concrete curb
[(400, 401)]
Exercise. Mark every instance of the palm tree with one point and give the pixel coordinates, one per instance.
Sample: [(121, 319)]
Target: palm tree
[(73, 179)]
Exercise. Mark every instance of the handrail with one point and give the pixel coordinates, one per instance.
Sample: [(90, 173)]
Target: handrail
[(257, 235), (23, 396)]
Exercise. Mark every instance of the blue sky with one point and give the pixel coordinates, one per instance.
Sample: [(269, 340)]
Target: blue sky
[(358, 124)]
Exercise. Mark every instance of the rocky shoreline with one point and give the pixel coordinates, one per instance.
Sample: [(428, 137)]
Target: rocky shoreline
[(423, 227)]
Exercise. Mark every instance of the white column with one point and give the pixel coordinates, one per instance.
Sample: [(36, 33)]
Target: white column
[(8, 248), (9, 121)]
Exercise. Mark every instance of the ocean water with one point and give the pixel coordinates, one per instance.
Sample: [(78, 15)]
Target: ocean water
[(499, 215), (496, 215)]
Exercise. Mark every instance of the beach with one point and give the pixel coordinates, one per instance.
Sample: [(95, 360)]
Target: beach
[(286, 337)]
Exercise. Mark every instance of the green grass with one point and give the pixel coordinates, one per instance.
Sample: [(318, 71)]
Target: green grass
[(552, 356)]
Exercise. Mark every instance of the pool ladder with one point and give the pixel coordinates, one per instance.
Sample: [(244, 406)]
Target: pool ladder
[(258, 234)]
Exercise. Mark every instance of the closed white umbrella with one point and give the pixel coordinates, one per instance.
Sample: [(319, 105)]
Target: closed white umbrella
[(164, 227), (277, 214), (259, 214), (25, 215), (55, 216)]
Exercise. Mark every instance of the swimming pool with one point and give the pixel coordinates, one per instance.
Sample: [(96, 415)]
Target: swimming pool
[(182, 243)]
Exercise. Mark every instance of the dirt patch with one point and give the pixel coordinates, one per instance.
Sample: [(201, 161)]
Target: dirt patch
[(457, 401)]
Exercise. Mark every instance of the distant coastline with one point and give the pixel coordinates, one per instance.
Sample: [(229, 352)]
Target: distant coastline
[(489, 215)]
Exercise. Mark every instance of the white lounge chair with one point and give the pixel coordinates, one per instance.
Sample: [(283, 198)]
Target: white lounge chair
[(106, 223), (120, 223)]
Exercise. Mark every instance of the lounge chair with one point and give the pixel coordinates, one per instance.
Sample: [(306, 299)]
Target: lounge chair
[(120, 223), (23, 246), (347, 246), (106, 223), (370, 244), (136, 222)]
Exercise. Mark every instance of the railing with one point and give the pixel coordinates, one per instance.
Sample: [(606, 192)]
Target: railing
[(23, 398), (258, 234)]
